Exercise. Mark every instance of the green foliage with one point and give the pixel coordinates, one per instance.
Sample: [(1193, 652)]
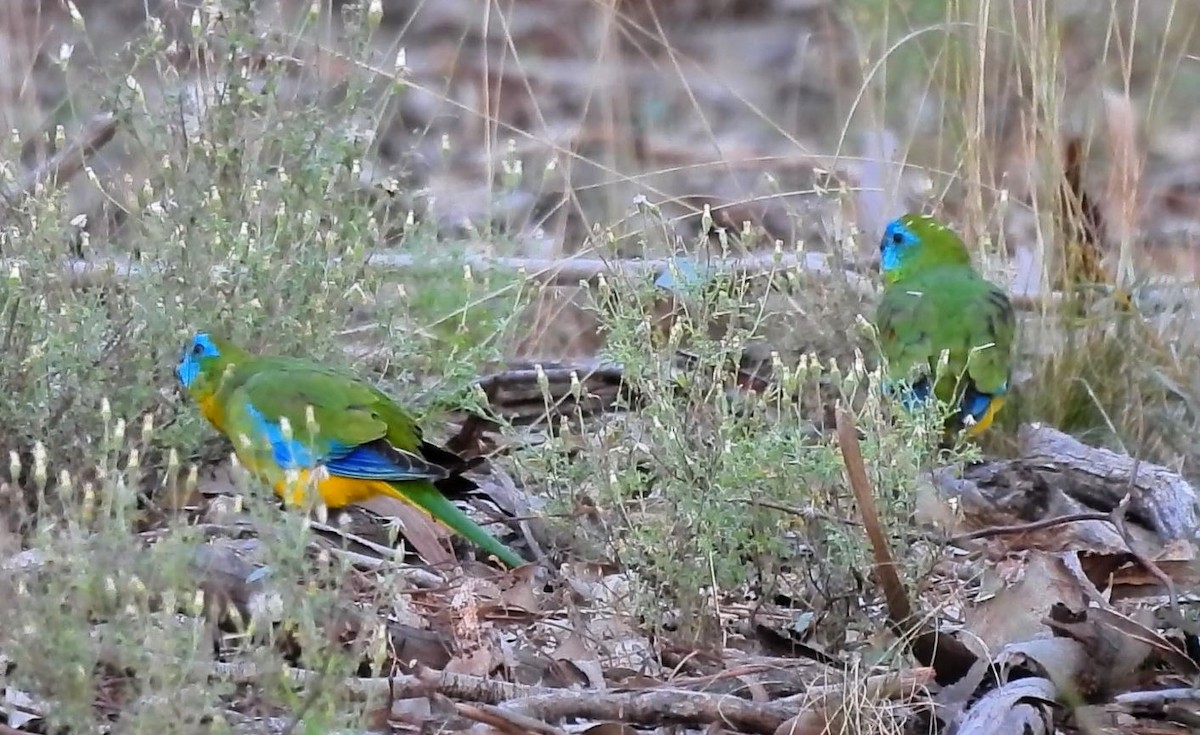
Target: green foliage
[(695, 484), (252, 220), (102, 621)]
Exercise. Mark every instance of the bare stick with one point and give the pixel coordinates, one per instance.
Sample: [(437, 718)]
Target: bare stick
[(569, 271), (67, 162), (505, 721), (656, 707), (1026, 527), (399, 686), (899, 608)]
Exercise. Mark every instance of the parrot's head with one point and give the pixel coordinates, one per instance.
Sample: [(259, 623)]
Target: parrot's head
[(916, 242), (204, 361)]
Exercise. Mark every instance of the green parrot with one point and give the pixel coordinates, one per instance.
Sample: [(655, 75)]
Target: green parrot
[(933, 300), (299, 425)]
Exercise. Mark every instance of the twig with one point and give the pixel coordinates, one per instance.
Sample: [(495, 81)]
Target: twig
[(501, 719), (647, 706), (807, 514), (67, 162), (950, 659), (1027, 527), (521, 376), (399, 686), (899, 608), (1158, 696), (1117, 518), (879, 686), (655, 707)]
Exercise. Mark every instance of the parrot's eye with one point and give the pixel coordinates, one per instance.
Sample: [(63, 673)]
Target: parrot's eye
[(197, 348), (898, 238)]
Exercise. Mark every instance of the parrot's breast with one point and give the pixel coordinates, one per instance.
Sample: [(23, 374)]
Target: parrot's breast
[(210, 409)]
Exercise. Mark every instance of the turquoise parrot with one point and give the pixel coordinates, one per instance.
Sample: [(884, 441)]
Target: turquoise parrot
[(299, 426), (934, 301)]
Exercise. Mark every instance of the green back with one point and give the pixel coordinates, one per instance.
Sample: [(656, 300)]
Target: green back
[(348, 411), (948, 308)]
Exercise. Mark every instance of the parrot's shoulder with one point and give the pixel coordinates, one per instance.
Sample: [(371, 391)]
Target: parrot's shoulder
[(287, 386), (949, 286), (284, 383)]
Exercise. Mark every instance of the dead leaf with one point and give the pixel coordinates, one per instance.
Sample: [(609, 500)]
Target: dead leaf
[(562, 673), (575, 651), (1061, 660), (521, 595), (478, 662), (609, 728), (21, 709), (1118, 645), (1015, 612), (422, 532)]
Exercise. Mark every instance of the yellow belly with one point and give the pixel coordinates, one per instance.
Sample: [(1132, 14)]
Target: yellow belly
[(335, 492), (982, 424), (211, 410)]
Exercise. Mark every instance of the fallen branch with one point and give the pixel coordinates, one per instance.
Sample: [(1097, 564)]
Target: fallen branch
[(655, 707), (569, 271), (398, 686), (897, 685), (505, 721), (1057, 475), (67, 162)]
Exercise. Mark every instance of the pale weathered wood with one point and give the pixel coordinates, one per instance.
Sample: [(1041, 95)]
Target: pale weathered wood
[(1057, 475)]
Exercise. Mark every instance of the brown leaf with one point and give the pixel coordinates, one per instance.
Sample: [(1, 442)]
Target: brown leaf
[(610, 728), (478, 662), (521, 596), (422, 532), (563, 673), (1016, 611), (575, 651)]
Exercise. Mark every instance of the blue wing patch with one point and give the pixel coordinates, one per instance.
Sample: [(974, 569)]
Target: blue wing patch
[(976, 403), (911, 397), (363, 462), (289, 454), (369, 463)]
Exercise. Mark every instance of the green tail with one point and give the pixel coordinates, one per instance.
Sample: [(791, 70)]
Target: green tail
[(426, 497)]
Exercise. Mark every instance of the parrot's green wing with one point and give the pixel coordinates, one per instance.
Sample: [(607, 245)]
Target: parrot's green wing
[(333, 418), (949, 308), (305, 415)]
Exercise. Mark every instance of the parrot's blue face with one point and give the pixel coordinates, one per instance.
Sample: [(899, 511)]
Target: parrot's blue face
[(898, 243), (200, 349)]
